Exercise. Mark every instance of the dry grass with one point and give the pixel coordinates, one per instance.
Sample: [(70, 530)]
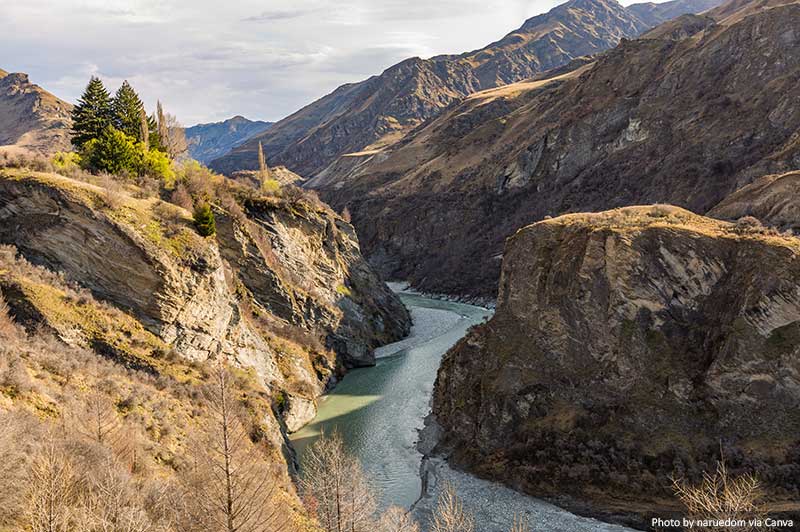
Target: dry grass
[(721, 496)]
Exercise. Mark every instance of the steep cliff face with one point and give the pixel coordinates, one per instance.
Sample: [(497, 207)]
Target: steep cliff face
[(654, 120), (31, 119), (628, 346), (773, 200), (367, 116), (256, 301)]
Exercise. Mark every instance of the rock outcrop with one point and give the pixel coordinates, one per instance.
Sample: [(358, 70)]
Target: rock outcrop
[(31, 119), (364, 117), (773, 200), (289, 274), (629, 346), (684, 122)]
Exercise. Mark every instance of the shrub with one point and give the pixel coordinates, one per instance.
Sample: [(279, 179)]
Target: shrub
[(270, 186), (156, 163), (722, 496), (66, 161), (113, 152), (204, 220)]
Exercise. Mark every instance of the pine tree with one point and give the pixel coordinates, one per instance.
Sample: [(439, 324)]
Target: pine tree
[(204, 220), (127, 111), (113, 152), (155, 138), (92, 114)]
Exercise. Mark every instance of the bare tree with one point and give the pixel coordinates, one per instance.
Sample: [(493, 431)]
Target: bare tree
[(171, 133), (111, 503), (450, 515), (229, 483), (144, 129), (98, 420), (335, 487), (264, 172), (50, 488), (396, 519), (520, 525), (721, 496)]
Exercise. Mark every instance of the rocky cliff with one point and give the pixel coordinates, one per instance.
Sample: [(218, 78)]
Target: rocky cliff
[(31, 119), (629, 346), (367, 116), (684, 121), (210, 141), (261, 294), (773, 200)]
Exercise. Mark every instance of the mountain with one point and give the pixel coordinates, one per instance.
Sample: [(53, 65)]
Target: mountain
[(210, 141), (31, 119), (624, 352), (655, 120), (366, 116), (654, 14)]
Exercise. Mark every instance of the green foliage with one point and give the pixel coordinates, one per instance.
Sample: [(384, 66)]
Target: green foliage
[(270, 186), (343, 291), (156, 163), (92, 114), (127, 111), (113, 152), (204, 220), (64, 161), (156, 142)]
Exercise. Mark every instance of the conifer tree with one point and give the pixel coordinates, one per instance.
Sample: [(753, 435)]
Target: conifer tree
[(204, 220), (127, 111), (92, 114)]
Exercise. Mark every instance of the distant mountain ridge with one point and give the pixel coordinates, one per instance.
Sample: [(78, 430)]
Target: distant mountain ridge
[(31, 119), (371, 114), (212, 140), (655, 120)]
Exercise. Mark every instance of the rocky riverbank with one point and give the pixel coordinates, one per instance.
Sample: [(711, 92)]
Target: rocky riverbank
[(493, 505)]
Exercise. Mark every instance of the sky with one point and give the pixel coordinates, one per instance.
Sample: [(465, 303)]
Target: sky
[(208, 60)]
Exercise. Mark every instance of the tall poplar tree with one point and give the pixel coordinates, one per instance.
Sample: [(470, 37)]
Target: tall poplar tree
[(92, 114), (127, 111)]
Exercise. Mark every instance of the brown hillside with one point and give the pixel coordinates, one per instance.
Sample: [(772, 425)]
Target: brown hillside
[(654, 120), (31, 119), (382, 109)]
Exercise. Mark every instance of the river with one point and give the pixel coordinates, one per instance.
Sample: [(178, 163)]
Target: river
[(380, 410)]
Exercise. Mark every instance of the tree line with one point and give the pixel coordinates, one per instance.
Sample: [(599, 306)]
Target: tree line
[(115, 134)]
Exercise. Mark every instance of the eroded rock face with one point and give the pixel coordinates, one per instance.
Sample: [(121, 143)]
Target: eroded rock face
[(31, 119), (304, 265), (629, 346), (685, 122), (236, 296), (774, 200)]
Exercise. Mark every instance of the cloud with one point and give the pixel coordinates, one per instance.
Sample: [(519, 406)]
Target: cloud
[(208, 60), (279, 14)]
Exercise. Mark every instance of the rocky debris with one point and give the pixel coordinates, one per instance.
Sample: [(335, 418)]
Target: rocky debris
[(629, 346), (773, 200), (365, 117), (259, 293), (210, 141), (31, 119), (654, 120)]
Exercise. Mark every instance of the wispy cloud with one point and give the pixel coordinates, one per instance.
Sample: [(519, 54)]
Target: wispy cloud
[(207, 60)]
